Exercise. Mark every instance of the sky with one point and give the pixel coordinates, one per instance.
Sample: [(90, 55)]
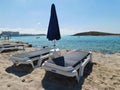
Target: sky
[(74, 16)]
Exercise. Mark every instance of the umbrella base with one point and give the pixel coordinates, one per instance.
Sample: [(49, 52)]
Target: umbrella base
[(55, 53)]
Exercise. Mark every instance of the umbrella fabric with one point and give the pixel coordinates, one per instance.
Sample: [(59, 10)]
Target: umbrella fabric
[(53, 28)]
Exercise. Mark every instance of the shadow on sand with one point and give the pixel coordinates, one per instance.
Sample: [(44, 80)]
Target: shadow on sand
[(52, 81), (20, 70), (12, 50), (7, 51)]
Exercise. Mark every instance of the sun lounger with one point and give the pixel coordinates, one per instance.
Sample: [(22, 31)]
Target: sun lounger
[(31, 57), (6, 47), (70, 65)]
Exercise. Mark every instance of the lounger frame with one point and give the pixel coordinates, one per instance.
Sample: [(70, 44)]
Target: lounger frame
[(17, 61), (11, 47), (76, 71), (31, 59)]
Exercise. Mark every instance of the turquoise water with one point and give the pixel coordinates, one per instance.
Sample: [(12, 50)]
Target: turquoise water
[(104, 44)]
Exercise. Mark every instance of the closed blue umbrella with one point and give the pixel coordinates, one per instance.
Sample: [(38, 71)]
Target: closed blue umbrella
[(53, 33)]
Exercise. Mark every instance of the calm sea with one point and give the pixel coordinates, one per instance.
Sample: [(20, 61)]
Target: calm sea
[(104, 44)]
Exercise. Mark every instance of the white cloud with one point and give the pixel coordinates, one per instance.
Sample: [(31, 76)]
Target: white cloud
[(38, 23)]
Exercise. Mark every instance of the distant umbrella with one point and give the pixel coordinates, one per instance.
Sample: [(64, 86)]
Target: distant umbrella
[(53, 33)]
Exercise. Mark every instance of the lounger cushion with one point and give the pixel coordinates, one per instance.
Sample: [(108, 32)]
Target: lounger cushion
[(71, 59), (9, 45), (32, 54)]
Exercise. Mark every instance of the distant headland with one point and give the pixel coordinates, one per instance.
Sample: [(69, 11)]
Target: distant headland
[(95, 33)]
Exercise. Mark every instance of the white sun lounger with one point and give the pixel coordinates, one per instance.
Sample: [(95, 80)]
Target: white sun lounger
[(70, 65), (30, 57), (6, 47)]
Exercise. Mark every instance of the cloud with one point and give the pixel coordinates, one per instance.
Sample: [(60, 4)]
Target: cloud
[(38, 23)]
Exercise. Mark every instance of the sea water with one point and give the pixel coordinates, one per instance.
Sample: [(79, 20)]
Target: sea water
[(104, 44)]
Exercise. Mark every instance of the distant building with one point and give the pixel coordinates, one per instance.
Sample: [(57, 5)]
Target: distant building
[(9, 33)]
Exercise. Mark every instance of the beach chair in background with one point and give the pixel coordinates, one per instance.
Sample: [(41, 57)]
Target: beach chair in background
[(71, 64), (35, 58), (7, 47)]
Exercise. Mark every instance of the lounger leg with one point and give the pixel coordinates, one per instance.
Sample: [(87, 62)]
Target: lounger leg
[(77, 78), (90, 57), (23, 47), (39, 62), (79, 73), (32, 65), (1, 51), (82, 65)]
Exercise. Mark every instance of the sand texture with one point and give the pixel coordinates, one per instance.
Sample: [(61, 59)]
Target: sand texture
[(102, 74)]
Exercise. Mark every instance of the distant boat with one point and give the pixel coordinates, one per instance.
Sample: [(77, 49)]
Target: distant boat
[(37, 37)]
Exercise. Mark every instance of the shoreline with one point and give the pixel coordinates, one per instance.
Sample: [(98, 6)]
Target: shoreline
[(30, 45), (101, 44), (104, 75)]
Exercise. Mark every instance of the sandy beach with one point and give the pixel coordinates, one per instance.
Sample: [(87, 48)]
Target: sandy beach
[(102, 74)]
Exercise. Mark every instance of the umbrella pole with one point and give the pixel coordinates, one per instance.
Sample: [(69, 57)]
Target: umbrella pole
[(54, 44)]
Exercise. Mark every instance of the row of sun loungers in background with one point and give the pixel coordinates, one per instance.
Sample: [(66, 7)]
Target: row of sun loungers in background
[(71, 64), (6, 47)]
